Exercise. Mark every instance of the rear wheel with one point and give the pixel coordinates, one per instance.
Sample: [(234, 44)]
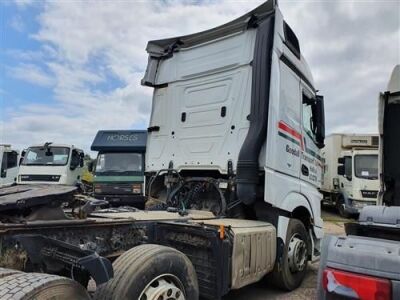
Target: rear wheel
[(151, 272), (7, 272), (37, 286), (289, 274)]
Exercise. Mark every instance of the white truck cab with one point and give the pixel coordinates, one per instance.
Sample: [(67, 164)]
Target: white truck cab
[(236, 127), (9, 165), (350, 179), (51, 164)]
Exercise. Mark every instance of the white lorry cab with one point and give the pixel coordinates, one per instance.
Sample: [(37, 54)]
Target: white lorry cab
[(236, 127), (350, 178), (9, 165), (51, 164)]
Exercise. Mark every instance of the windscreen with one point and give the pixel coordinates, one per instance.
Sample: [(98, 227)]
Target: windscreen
[(50, 156), (119, 163), (366, 166)]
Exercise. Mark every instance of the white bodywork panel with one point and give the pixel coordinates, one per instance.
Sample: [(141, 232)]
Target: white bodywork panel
[(8, 169), (205, 140), (67, 176)]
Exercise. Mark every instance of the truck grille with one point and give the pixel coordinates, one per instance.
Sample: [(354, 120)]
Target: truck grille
[(114, 189), (51, 178), (369, 194)]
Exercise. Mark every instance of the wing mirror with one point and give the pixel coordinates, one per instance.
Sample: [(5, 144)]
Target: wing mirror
[(319, 114), (22, 157), (90, 166), (341, 170)]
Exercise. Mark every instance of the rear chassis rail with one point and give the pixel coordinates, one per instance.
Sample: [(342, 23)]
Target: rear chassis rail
[(76, 249), (82, 249)]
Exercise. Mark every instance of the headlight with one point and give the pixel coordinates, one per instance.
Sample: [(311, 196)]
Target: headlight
[(55, 177), (97, 188), (24, 177), (137, 188)]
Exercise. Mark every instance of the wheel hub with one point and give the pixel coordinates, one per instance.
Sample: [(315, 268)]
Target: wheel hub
[(297, 254), (164, 287)]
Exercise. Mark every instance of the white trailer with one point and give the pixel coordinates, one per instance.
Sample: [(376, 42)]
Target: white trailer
[(236, 127), (350, 178), (9, 165), (51, 164)]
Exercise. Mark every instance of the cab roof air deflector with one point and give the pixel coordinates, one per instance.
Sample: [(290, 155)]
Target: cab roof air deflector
[(164, 48)]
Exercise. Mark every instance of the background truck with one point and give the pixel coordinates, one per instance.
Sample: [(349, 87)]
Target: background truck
[(235, 128), (350, 178), (9, 165), (365, 264), (51, 164), (119, 167)]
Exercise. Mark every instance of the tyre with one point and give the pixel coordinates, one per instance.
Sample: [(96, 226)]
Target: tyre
[(151, 272), (290, 273), (7, 272), (36, 286), (340, 207)]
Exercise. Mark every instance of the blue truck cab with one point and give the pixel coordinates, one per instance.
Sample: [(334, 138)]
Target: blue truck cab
[(119, 167)]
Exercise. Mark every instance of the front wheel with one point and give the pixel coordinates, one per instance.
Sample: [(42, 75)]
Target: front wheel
[(290, 273), (340, 205)]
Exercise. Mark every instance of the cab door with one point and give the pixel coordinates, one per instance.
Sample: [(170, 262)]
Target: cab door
[(311, 163), (9, 168), (346, 185)]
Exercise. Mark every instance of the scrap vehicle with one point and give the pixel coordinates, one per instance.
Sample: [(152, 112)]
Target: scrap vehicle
[(350, 178), (9, 165), (232, 152), (119, 167), (51, 164), (365, 263)]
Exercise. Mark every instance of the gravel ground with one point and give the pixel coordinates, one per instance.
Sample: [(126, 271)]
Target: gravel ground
[(333, 224)]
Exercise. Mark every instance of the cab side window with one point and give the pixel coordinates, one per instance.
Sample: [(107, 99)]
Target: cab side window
[(308, 119), (348, 161), (10, 160)]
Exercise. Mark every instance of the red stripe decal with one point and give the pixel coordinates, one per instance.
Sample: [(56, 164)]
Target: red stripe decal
[(282, 125), (289, 130)]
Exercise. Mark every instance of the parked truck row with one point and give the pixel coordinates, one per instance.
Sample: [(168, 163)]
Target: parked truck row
[(233, 154), (232, 151)]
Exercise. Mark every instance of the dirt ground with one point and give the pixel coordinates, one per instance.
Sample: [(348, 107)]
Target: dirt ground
[(333, 224)]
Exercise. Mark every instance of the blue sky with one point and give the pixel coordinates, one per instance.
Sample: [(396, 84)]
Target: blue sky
[(70, 68), (18, 24)]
